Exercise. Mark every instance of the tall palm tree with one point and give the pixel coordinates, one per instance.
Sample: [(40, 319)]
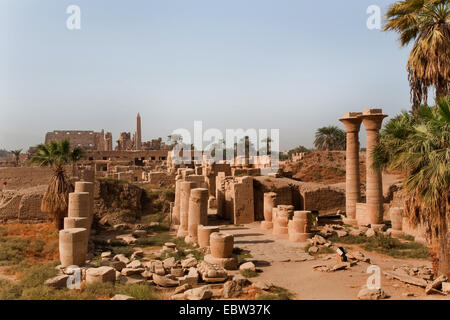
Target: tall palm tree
[(16, 154), (330, 138), (419, 145), (56, 155), (426, 23)]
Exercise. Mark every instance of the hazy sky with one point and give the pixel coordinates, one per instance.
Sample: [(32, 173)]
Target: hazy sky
[(287, 64)]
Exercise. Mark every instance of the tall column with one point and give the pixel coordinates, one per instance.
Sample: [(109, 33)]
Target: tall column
[(176, 205), (352, 123), (198, 212), (79, 211), (372, 119), (138, 132), (220, 194), (81, 186), (79, 205), (185, 189)]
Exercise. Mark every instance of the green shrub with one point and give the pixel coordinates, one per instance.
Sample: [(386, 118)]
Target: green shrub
[(36, 275), (386, 245), (140, 291), (276, 293), (249, 273)]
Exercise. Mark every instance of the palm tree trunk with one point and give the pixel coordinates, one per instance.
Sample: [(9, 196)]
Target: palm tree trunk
[(441, 89), (444, 247)]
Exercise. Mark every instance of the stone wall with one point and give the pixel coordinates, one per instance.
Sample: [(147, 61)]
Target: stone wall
[(22, 206), (152, 155), (117, 201), (86, 139), (25, 177), (285, 194), (325, 199)]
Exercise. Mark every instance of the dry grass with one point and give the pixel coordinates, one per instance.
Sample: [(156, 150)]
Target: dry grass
[(28, 244)]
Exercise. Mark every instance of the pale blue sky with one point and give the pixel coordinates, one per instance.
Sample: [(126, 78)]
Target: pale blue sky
[(288, 64)]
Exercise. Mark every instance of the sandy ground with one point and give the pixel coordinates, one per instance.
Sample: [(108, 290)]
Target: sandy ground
[(277, 259)]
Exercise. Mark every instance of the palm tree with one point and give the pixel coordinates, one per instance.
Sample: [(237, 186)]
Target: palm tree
[(16, 154), (56, 155), (330, 138), (419, 145), (426, 23)]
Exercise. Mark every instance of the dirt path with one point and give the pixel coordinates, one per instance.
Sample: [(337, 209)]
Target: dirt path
[(280, 261)]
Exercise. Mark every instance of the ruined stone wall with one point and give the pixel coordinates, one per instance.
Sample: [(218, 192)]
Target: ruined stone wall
[(160, 178), (86, 139), (22, 206), (151, 155), (117, 201), (302, 195), (285, 194), (243, 205), (325, 199), (25, 177)]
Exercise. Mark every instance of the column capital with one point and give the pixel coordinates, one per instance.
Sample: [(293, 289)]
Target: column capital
[(372, 119), (351, 121)]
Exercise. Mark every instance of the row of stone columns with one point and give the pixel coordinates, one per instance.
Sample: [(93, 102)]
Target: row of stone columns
[(372, 120), (277, 218), (74, 238), (190, 209)]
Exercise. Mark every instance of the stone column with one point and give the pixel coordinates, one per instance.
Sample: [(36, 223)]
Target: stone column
[(89, 187), (176, 206), (372, 119), (204, 233), (280, 224), (396, 216), (198, 212), (79, 205), (221, 245), (270, 199), (352, 122), (72, 247), (220, 194), (185, 189), (76, 222), (300, 226)]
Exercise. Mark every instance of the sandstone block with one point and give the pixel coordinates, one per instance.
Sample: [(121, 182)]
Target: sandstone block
[(101, 274)]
